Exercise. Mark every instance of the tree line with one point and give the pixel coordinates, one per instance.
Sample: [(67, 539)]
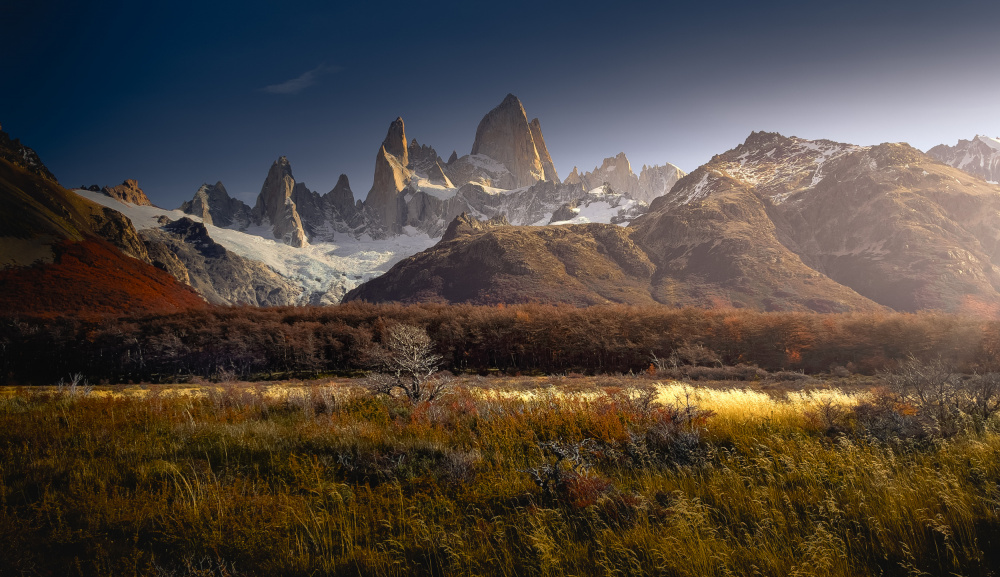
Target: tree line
[(261, 343)]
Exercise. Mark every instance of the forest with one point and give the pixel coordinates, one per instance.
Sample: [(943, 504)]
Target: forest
[(266, 343)]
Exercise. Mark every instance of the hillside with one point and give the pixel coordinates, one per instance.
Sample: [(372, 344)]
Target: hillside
[(61, 254)]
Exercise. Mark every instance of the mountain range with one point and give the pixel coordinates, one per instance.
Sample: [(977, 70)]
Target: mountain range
[(777, 223)]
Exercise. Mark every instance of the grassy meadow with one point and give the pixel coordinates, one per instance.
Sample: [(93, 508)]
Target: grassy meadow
[(500, 476)]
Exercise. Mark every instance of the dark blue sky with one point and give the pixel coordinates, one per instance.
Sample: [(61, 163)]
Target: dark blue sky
[(177, 93)]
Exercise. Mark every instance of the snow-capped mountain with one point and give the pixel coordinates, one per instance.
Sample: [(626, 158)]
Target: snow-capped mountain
[(979, 156), (326, 244)]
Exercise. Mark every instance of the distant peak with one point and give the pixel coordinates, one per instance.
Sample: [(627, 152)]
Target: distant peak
[(510, 99)]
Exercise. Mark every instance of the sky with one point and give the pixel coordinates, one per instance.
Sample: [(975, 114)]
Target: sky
[(176, 94)]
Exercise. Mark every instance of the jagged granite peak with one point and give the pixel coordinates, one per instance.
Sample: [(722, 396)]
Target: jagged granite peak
[(213, 205), (453, 157), (616, 172), (385, 199), (505, 136), (657, 180), (276, 207), (395, 141), (543, 151), (978, 157), (436, 175), (341, 197), (422, 157), (574, 177), (129, 192)]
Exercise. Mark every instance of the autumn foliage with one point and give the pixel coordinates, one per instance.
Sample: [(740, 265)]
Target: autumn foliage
[(92, 278), (301, 341)]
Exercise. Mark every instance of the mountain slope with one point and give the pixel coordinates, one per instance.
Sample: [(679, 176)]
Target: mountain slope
[(887, 221), (61, 254), (497, 263)]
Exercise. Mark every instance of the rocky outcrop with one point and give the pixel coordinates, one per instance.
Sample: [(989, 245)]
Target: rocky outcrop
[(20, 155), (128, 192), (421, 158), (115, 228), (214, 206), (275, 207), (505, 135), (978, 157), (465, 224), (185, 250)]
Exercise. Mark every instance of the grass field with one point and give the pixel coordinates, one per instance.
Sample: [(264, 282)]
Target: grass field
[(502, 476)]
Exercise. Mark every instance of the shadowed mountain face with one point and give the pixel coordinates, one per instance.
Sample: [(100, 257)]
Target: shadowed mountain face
[(62, 254), (775, 224)]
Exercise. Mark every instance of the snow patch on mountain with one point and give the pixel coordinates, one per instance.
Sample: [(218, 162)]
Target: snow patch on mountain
[(324, 270)]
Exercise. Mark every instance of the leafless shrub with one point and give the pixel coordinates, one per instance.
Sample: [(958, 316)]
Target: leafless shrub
[(405, 361), (934, 391), (77, 386)]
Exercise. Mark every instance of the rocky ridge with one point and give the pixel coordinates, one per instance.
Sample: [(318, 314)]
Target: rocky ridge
[(978, 157), (184, 249)]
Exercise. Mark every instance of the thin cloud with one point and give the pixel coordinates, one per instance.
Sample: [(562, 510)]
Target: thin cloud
[(307, 79)]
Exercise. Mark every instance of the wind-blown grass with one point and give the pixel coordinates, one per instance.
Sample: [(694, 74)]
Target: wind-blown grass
[(325, 480)]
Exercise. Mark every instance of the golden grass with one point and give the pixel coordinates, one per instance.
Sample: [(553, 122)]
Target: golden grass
[(320, 479)]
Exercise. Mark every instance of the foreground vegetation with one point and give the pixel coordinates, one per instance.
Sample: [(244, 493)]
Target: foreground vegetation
[(517, 476)]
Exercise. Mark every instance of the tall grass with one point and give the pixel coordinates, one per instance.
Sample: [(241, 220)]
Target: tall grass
[(324, 480)]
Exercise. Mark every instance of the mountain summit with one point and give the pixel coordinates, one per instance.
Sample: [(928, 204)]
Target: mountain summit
[(505, 135)]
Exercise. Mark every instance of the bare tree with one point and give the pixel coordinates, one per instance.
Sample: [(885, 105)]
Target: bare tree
[(405, 360)]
